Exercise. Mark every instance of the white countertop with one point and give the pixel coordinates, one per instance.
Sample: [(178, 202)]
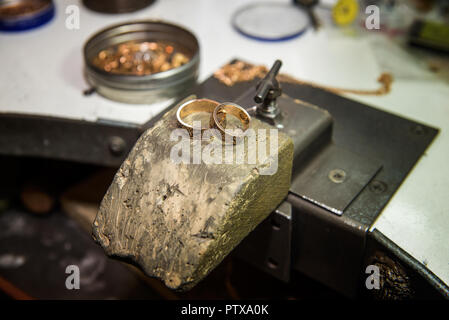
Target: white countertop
[(42, 73)]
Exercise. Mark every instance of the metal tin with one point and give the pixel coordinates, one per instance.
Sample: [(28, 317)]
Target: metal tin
[(147, 88), (116, 6), (25, 14)]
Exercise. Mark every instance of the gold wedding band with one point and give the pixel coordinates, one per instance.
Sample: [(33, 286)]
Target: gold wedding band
[(218, 116), (195, 106), (219, 120)]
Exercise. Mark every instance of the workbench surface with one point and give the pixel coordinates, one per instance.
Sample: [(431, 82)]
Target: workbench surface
[(42, 73)]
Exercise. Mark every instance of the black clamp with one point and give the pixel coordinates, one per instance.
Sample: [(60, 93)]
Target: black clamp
[(267, 91)]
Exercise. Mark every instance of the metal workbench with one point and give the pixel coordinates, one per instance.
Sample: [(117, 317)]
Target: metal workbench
[(42, 74)]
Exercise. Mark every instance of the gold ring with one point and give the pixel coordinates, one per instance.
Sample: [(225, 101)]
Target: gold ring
[(194, 106), (219, 121)]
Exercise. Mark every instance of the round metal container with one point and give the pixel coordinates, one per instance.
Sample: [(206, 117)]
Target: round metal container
[(142, 89), (18, 15), (116, 6)]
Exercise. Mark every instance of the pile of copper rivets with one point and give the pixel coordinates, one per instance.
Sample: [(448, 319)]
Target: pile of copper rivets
[(139, 58), (239, 72)]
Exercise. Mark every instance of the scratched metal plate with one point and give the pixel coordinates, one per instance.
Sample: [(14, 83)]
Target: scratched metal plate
[(334, 178)]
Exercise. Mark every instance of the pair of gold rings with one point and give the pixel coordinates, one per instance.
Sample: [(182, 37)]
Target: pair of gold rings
[(218, 116)]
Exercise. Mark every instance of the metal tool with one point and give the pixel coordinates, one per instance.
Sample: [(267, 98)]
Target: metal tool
[(268, 90), (308, 6)]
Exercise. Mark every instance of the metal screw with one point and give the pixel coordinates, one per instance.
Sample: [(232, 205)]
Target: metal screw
[(377, 186), (272, 264), (418, 130), (117, 145), (337, 175), (275, 224)]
